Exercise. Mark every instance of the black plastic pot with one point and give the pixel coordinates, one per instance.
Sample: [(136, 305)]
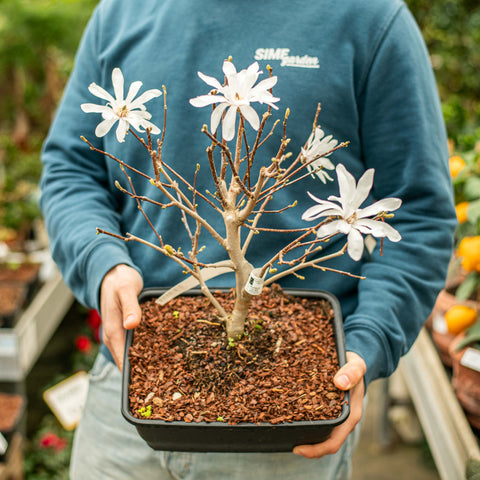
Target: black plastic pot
[(244, 437)]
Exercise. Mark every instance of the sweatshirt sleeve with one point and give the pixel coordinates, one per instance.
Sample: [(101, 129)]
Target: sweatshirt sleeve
[(75, 198), (404, 139)]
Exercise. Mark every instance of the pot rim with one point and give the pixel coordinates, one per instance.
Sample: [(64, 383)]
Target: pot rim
[(341, 353)]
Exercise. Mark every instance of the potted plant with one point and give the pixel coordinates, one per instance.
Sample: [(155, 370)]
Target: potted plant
[(458, 303), (239, 199), (12, 408), (465, 354)]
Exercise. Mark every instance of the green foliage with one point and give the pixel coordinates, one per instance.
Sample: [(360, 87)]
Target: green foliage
[(38, 40), (47, 455), (451, 29), (19, 175)]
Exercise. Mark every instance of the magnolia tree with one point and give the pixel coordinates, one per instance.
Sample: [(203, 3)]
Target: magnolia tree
[(238, 198)]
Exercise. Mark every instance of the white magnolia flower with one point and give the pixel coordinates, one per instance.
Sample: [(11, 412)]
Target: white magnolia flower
[(237, 94), (315, 154), (353, 220), (127, 112)]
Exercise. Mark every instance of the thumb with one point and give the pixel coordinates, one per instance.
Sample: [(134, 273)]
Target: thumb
[(131, 312), (351, 373)]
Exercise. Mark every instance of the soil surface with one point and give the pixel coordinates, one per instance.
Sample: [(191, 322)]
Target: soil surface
[(10, 409), (26, 272), (11, 300), (183, 366)]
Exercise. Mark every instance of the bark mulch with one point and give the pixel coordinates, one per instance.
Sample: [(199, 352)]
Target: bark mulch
[(184, 368)]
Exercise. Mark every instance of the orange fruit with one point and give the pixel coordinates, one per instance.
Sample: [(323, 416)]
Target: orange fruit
[(456, 165), (461, 210), (459, 317), (469, 253)]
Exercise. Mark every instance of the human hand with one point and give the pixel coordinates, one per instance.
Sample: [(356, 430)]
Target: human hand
[(349, 377), (119, 307)]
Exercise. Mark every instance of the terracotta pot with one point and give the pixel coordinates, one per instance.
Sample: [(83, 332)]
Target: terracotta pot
[(446, 299), (441, 337), (466, 381), (217, 436)]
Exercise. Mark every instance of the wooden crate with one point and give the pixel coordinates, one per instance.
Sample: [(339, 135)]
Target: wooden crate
[(12, 468)]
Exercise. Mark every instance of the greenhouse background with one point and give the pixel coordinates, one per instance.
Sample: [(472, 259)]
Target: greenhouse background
[(38, 40)]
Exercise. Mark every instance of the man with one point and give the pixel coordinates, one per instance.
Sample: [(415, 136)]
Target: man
[(368, 67)]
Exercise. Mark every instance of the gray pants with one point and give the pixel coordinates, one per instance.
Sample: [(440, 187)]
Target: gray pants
[(107, 447)]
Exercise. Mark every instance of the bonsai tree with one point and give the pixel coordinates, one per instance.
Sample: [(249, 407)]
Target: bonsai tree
[(240, 199)]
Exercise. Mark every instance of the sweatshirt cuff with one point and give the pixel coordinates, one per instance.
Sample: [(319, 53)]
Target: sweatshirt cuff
[(369, 344), (101, 260)]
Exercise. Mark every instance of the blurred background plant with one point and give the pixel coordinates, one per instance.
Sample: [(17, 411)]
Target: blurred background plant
[(451, 29), (38, 39), (465, 172)]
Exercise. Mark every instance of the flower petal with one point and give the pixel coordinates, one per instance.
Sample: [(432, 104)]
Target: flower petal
[(122, 130), (104, 127), (377, 228), (217, 116), (347, 187), (117, 80), (213, 82), (228, 124), (144, 98), (323, 175), (321, 210), (139, 121), (385, 205), (328, 229), (364, 186), (133, 90), (265, 85), (99, 92), (355, 245), (204, 100), (229, 68), (251, 116), (94, 108)]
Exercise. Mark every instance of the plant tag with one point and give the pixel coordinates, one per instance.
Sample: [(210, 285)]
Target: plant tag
[(254, 284), (439, 324), (3, 445), (67, 398), (191, 282), (471, 359)]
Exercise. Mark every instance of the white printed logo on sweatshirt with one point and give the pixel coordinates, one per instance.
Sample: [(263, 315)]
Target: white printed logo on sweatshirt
[(286, 60)]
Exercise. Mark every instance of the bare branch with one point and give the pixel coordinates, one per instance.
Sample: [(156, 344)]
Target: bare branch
[(109, 155), (313, 263)]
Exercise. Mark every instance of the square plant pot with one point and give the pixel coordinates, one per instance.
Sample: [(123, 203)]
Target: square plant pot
[(220, 436)]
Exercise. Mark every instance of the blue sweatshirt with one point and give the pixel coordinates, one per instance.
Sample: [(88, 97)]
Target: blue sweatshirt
[(368, 66)]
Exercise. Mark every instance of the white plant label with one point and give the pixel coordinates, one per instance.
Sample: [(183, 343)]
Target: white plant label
[(67, 398), (254, 284), (439, 324), (471, 359), (3, 445)]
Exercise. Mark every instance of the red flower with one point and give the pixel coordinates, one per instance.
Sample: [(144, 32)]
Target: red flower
[(83, 344), (94, 321), (53, 441)]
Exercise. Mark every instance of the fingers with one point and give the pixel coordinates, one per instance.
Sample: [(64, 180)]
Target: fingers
[(351, 373), (119, 307), (349, 377), (131, 313)]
